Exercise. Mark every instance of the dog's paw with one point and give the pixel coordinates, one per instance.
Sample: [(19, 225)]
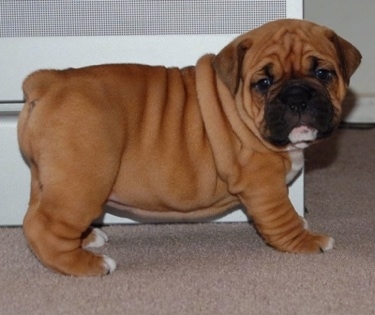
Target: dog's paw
[(96, 238), (314, 243)]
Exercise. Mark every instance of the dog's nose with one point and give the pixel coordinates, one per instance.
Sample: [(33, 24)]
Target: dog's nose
[(296, 97)]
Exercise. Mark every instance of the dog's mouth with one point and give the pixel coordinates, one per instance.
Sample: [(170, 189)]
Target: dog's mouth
[(299, 137), (302, 136)]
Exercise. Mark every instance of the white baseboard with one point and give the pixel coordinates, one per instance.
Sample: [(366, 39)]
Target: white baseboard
[(359, 109)]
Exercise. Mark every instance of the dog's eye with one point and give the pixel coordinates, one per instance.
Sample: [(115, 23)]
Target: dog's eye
[(263, 84), (324, 74)]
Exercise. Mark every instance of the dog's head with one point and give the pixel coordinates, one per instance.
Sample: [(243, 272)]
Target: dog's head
[(290, 77)]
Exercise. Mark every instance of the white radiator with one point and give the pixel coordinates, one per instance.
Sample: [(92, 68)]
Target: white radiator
[(74, 33)]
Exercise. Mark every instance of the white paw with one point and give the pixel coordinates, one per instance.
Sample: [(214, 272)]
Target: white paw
[(330, 244), (99, 238), (109, 264)]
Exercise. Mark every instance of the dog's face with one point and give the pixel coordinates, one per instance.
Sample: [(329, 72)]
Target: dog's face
[(290, 78)]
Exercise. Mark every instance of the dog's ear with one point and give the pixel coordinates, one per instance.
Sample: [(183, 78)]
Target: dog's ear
[(348, 55), (228, 63)]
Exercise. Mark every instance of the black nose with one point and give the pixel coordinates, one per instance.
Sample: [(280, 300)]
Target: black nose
[(296, 97)]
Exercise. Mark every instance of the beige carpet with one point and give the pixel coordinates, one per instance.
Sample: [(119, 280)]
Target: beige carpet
[(223, 268)]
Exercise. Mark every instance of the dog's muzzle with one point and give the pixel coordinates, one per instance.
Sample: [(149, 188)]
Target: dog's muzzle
[(298, 115), (296, 99)]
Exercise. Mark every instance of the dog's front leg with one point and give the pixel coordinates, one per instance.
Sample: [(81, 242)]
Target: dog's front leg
[(268, 205)]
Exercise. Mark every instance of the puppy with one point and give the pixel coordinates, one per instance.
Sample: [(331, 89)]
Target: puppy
[(181, 144)]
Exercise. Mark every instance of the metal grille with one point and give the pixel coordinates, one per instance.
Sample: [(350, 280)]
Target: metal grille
[(39, 18)]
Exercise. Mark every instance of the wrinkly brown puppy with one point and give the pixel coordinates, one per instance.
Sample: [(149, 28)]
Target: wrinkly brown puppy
[(183, 144)]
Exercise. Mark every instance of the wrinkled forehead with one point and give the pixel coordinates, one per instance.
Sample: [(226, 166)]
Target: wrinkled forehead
[(293, 49)]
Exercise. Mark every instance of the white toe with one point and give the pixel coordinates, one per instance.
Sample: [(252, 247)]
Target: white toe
[(100, 238), (109, 264), (330, 245)]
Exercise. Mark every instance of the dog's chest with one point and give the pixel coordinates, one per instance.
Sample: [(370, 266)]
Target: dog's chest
[(297, 162)]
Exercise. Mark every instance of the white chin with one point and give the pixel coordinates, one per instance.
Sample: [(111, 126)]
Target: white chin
[(301, 136)]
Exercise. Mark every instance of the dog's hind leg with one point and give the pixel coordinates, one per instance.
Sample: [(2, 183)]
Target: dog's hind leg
[(73, 171), (56, 226)]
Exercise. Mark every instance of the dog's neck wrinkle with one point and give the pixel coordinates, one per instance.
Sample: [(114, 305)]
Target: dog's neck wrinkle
[(223, 143), (219, 113)]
